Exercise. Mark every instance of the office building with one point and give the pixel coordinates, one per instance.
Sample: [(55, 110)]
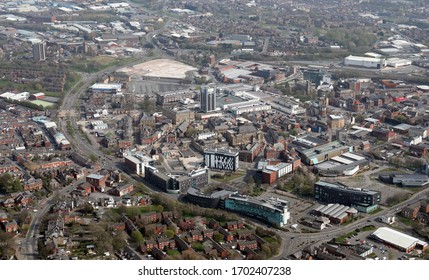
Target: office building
[(363, 200), (273, 211), (221, 159), (177, 182), (208, 99), (137, 162), (39, 51)]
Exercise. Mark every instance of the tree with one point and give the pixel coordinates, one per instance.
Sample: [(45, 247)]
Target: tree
[(169, 233), (137, 237), (266, 249), (8, 184), (93, 158), (118, 242), (218, 237)]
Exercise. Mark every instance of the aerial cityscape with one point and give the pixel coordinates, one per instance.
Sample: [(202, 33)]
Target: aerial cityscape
[(214, 130)]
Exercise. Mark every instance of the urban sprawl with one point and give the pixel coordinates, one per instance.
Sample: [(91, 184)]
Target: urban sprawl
[(214, 129)]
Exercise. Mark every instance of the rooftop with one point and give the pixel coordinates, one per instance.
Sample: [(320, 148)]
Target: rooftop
[(397, 238)]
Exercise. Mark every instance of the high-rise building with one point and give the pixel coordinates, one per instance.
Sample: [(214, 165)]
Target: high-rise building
[(221, 159), (39, 51), (208, 99)]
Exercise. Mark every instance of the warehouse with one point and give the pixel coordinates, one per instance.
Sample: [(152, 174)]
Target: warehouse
[(347, 164), (397, 62), (337, 213), (399, 240), (366, 62), (105, 88)]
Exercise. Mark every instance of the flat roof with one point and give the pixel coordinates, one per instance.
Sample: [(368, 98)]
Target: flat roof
[(352, 156), (363, 58), (396, 238), (342, 160), (97, 86), (338, 186), (95, 176)]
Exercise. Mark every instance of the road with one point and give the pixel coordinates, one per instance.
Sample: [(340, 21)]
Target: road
[(294, 241), (29, 243)]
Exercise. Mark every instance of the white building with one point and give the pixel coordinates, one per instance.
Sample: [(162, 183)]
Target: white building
[(137, 163), (397, 62), (366, 62), (221, 159), (281, 169), (105, 88), (399, 240)]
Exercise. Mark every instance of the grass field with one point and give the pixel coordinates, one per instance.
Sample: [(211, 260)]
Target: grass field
[(45, 104)]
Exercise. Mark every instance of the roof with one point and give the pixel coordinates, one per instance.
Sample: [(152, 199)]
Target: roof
[(362, 58), (106, 87), (396, 238), (95, 176)]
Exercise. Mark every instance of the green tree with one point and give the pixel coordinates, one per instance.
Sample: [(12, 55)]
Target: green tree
[(9, 184), (119, 242), (137, 237), (169, 233), (218, 237)]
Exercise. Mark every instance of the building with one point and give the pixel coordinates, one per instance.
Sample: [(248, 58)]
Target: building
[(241, 109), (208, 99), (335, 122), (365, 62), (405, 180), (221, 159), (273, 211), (105, 88), (39, 51), (172, 97), (137, 162), (178, 182), (271, 173), (398, 240), (123, 190), (323, 152), (179, 115), (347, 164), (97, 180), (211, 200), (363, 200), (336, 213)]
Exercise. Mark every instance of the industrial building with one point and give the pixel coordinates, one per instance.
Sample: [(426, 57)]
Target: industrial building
[(365, 62), (221, 159), (336, 213), (323, 152), (177, 182), (105, 88), (363, 200), (405, 180), (397, 62), (347, 164), (398, 240), (273, 211)]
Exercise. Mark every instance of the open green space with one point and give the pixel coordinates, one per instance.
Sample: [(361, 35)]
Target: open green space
[(228, 177), (98, 63), (44, 104)]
